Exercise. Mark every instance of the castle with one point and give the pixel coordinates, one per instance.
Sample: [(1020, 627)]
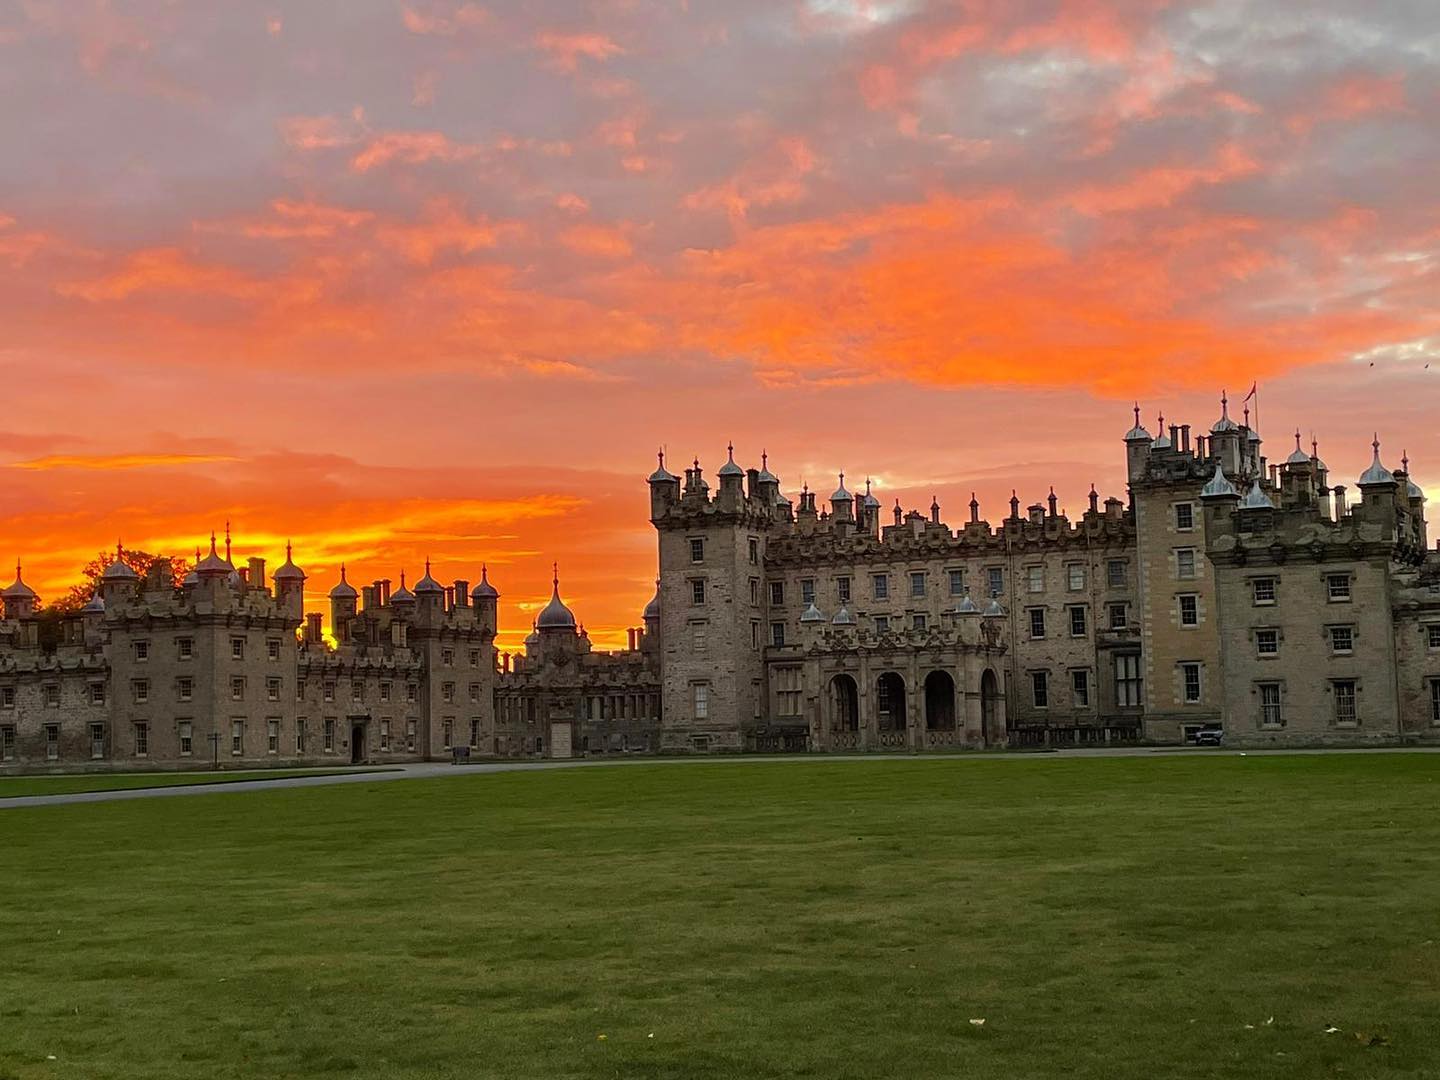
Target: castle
[(1228, 593)]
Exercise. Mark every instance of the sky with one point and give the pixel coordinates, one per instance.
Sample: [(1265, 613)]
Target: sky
[(432, 279)]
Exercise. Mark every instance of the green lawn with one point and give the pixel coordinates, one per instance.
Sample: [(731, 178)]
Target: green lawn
[(1106, 918), (12, 787)]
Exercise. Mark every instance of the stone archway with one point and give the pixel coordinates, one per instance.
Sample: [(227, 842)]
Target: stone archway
[(991, 723), (844, 704), (890, 702), (939, 701)]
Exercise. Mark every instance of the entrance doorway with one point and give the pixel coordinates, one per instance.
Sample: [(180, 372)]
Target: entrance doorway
[(890, 702), (357, 744), (990, 707), (939, 701), (844, 704)]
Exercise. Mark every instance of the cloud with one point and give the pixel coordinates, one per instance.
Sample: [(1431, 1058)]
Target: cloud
[(411, 148), (112, 462), (566, 50)]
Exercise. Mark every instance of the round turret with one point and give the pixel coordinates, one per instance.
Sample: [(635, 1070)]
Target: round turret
[(288, 572), (484, 590), (1376, 475), (1224, 424), (427, 585), (730, 469), (555, 615), (19, 590), (1137, 433), (120, 570), (402, 595), (343, 590)]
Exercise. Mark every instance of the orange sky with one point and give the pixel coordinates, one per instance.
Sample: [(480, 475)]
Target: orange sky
[(436, 278)]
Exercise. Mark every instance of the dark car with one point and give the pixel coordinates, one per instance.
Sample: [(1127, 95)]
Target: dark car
[(1209, 738)]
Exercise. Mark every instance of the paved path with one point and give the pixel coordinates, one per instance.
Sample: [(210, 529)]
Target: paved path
[(430, 770)]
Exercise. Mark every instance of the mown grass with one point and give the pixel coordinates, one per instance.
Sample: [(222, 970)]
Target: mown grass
[(12, 787), (1105, 918)]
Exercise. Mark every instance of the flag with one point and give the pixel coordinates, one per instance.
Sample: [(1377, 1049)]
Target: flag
[(1253, 388)]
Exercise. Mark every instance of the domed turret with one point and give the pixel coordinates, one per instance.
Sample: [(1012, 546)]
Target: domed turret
[(812, 615), (427, 585), (555, 615), (1219, 487), (843, 617), (96, 606), (402, 595), (1137, 433), (120, 570), (343, 590), (662, 475), (1162, 441), (730, 469), (1256, 499), (1376, 475), (652, 609), (288, 573), (19, 598), (1224, 424), (484, 590), (212, 566), (1298, 456), (1412, 489)]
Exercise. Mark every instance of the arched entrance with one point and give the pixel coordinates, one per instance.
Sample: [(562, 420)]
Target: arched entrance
[(890, 702), (844, 704), (990, 708), (939, 701)]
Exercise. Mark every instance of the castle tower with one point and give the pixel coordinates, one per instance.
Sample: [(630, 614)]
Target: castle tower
[(19, 598), (711, 611), (487, 603), (1180, 687), (429, 596), (343, 599), (290, 585), (118, 582)]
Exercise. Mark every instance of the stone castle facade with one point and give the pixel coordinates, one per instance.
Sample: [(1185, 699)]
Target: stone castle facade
[(1228, 592)]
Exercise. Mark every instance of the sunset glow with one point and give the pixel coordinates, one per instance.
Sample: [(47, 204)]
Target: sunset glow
[(398, 281)]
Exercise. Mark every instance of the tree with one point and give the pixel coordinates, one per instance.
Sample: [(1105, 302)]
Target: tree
[(140, 561)]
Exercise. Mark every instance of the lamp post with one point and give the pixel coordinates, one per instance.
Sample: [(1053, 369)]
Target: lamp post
[(215, 749)]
